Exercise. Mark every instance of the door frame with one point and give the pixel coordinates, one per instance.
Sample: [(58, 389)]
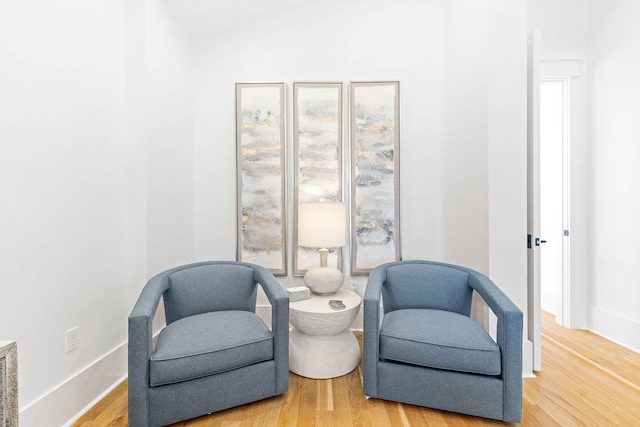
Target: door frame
[(550, 75), (575, 293)]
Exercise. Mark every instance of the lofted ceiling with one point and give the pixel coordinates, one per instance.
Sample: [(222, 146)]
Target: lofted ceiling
[(205, 18)]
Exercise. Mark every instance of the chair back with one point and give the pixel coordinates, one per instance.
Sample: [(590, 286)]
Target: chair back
[(209, 287), (421, 284)]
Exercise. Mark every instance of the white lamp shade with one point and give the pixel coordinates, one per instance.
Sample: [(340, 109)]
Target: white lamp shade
[(321, 225)]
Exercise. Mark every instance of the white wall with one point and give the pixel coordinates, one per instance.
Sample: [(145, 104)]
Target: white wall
[(614, 137), (62, 169), (323, 42), (168, 118), (507, 150), (169, 141), (465, 197), (564, 26), (463, 133), (96, 186), (326, 41)]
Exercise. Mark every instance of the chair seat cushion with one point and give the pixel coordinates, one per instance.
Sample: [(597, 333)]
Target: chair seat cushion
[(207, 344), (438, 339)]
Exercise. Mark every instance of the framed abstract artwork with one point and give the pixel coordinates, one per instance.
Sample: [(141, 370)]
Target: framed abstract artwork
[(317, 136), (261, 178), (374, 129)]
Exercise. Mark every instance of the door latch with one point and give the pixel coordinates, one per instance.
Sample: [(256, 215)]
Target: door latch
[(537, 241)]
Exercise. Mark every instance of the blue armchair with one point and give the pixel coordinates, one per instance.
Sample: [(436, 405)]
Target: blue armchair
[(215, 352), (422, 348)]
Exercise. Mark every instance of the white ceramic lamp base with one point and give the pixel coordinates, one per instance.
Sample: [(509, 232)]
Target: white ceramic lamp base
[(323, 280)]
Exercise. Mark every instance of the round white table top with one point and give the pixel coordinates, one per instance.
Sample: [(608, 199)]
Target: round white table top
[(320, 303), (314, 316)]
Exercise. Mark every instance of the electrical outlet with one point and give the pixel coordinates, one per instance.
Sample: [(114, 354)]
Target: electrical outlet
[(72, 339)]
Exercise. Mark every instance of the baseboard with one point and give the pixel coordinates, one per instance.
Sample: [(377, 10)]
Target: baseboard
[(614, 327), (65, 403)]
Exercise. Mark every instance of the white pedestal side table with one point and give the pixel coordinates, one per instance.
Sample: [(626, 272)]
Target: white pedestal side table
[(320, 343)]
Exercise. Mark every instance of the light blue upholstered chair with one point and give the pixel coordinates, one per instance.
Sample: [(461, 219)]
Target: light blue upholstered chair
[(215, 352), (422, 348)]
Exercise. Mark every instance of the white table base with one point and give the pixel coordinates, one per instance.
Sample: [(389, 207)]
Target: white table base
[(323, 356)]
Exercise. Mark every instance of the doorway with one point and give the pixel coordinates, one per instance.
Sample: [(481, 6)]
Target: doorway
[(554, 195), (564, 79), (564, 87)]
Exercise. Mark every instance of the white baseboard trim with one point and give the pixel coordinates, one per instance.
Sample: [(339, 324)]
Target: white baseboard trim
[(614, 327), (94, 402), (65, 403)]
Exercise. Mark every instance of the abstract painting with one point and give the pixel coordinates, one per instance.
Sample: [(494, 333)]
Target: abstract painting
[(260, 156), (317, 134), (375, 175)]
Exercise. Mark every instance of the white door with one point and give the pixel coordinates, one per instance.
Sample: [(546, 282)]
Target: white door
[(533, 199)]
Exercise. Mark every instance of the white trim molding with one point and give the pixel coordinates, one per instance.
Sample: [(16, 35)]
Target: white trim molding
[(621, 330), (65, 403)]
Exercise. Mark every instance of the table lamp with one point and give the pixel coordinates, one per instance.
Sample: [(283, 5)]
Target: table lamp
[(322, 225)]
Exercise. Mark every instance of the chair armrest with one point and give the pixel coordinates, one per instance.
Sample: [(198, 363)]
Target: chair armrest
[(140, 346), (272, 288), (141, 317), (277, 297), (508, 314), (371, 319), (279, 323), (509, 339)]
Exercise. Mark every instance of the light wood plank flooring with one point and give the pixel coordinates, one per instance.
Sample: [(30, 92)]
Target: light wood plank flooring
[(585, 381)]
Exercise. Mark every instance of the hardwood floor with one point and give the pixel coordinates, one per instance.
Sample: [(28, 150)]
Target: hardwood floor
[(585, 381)]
